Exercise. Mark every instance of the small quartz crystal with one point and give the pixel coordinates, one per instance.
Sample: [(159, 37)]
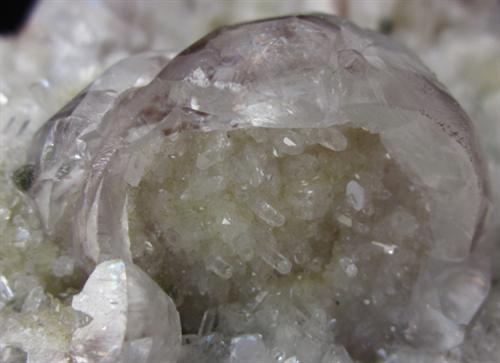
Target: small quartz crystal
[(6, 293)]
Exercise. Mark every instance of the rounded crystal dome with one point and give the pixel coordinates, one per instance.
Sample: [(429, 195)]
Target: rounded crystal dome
[(304, 191)]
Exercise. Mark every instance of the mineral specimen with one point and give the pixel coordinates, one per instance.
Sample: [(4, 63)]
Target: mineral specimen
[(304, 190)]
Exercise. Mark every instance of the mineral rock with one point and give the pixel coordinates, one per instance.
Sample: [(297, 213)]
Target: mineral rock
[(305, 190)]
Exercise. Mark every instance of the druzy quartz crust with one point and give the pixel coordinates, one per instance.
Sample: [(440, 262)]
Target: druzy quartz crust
[(288, 190)]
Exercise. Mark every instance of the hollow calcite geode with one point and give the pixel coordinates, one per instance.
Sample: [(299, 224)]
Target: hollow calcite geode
[(300, 73)]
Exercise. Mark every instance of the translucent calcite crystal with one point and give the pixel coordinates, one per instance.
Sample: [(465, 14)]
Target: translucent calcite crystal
[(130, 318), (304, 190)]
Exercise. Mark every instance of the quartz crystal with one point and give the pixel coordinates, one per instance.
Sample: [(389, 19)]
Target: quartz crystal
[(6, 293), (304, 190)]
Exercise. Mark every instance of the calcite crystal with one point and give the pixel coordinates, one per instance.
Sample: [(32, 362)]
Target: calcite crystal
[(131, 318), (304, 190)]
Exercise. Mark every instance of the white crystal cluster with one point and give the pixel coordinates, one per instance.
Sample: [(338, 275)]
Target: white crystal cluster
[(300, 195), (292, 234)]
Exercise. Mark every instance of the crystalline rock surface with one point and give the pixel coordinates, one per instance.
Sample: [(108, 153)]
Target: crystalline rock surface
[(302, 189)]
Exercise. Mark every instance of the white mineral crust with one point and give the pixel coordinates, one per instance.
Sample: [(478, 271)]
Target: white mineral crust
[(130, 318)]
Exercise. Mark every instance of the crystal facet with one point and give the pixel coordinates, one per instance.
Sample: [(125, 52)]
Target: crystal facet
[(131, 319)]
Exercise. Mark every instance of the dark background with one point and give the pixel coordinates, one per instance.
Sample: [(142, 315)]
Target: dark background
[(14, 14)]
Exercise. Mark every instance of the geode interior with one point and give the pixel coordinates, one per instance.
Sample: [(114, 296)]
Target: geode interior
[(304, 190), (317, 223)]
